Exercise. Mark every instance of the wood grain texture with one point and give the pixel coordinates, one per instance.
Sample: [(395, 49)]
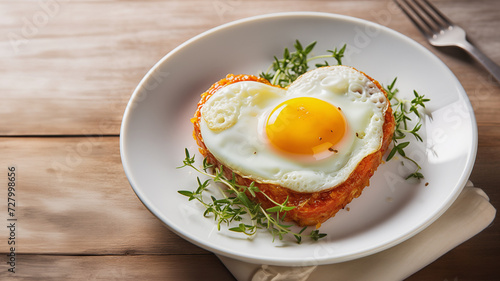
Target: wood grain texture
[(73, 198), (77, 202), (154, 267), (69, 68)]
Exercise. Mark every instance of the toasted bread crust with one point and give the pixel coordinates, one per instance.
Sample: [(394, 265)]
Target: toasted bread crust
[(310, 208)]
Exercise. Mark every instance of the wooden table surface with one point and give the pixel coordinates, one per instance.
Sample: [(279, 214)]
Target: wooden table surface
[(68, 69)]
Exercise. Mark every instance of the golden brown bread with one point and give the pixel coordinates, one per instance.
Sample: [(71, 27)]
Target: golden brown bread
[(310, 208)]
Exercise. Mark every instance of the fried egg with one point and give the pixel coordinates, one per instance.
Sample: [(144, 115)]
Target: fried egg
[(308, 137)]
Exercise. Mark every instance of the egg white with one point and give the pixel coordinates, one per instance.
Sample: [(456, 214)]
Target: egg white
[(233, 128)]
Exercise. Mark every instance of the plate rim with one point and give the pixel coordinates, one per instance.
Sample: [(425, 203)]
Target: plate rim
[(464, 177)]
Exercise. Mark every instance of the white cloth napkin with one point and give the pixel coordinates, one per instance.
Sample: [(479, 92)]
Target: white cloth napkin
[(469, 215)]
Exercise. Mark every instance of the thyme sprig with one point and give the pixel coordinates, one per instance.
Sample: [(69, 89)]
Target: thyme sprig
[(284, 71), (402, 109), (236, 203)]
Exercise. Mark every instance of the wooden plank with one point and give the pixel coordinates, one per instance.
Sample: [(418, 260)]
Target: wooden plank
[(488, 135), (142, 267), (69, 67), (76, 71), (471, 261), (78, 202), (73, 198)]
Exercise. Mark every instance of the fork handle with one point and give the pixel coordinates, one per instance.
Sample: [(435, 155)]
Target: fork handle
[(490, 65)]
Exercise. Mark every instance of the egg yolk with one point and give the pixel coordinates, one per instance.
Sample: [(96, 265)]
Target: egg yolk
[(305, 126)]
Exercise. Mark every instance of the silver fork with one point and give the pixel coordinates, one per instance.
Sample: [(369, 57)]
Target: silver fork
[(440, 31)]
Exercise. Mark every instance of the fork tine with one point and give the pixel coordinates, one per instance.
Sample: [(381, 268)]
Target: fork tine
[(424, 16), (422, 25), (430, 13), (441, 16)]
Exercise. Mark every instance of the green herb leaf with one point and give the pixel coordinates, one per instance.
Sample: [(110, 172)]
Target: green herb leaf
[(186, 193), (236, 203), (295, 63), (338, 55), (401, 111)]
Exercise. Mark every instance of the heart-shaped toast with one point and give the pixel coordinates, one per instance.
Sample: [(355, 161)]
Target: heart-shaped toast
[(313, 145)]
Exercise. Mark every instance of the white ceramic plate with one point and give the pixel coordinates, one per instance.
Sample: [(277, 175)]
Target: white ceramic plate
[(156, 129)]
